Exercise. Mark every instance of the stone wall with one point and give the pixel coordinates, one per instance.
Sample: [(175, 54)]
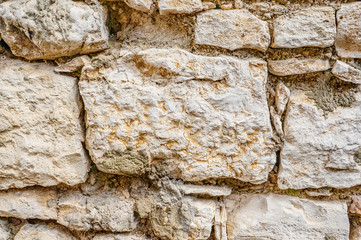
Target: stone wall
[(180, 120)]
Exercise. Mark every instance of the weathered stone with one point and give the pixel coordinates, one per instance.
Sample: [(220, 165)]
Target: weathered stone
[(191, 219), (348, 38), (208, 5), (319, 150), (220, 223), (232, 29), (310, 27), (355, 233), (208, 190), (258, 216), (277, 123), (355, 206), (49, 231), (40, 132), (295, 66), (4, 230), (46, 29), (74, 65), (346, 72), (141, 5), (83, 213), (281, 98), (33, 203), (179, 6), (110, 236), (209, 114)]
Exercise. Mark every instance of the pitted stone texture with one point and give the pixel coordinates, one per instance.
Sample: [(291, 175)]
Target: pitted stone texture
[(346, 72), (4, 230), (310, 27), (179, 6), (141, 5), (320, 151), (295, 66), (110, 213), (348, 38), (33, 203), (40, 132), (208, 114), (110, 236), (46, 29), (258, 216), (192, 218), (49, 231), (232, 29), (355, 206)]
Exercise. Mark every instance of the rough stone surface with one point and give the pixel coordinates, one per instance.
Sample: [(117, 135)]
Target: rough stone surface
[(346, 72), (295, 66), (40, 132), (285, 218), (232, 29), (33, 203), (310, 27), (4, 230), (83, 213), (312, 156), (76, 64), (179, 6), (348, 38), (281, 98), (141, 5), (208, 114), (208, 190), (49, 231), (45, 29), (355, 206), (118, 237), (355, 233)]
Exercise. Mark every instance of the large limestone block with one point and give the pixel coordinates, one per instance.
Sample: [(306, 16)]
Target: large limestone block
[(346, 72), (320, 150), (310, 27), (232, 29), (47, 29), (40, 132), (179, 6), (348, 38), (107, 212), (293, 66), (49, 231), (258, 216), (33, 203), (208, 114), (4, 230)]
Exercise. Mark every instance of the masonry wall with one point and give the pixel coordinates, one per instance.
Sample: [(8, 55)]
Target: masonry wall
[(180, 120)]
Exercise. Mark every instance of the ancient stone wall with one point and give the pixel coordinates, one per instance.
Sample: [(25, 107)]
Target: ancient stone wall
[(180, 120)]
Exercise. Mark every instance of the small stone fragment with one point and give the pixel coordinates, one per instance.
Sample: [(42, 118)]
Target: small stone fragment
[(111, 236), (4, 230), (271, 216), (208, 190), (40, 130), (310, 27), (46, 29), (74, 65), (281, 98), (346, 72), (232, 29), (355, 233), (220, 223), (33, 203), (209, 5), (192, 218), (323, 193), (179, 6), (49, 231), (348, 37), (141, 5), (238, 4), (320, 151), (277, 123), (355, 206), (226, 6), (295, 66), (108, 213)]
